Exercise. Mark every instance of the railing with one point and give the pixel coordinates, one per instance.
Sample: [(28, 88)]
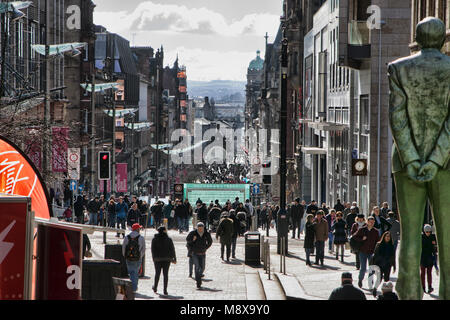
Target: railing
[(358, 33)]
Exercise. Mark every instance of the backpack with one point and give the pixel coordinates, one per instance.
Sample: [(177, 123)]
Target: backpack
[(132, 252)]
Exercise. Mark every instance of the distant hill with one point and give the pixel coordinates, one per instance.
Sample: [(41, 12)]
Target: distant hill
[(220, 90)]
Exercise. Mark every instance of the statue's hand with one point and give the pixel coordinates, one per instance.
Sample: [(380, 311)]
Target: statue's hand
[(428, 171), (412, 169)]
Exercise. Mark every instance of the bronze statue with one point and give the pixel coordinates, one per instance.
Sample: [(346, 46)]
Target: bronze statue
[(419, 119)]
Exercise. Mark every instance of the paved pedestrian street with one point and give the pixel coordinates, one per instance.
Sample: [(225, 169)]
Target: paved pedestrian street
[(230, 281)]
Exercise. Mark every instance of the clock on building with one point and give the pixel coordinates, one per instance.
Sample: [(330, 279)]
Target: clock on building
[(359, 167)]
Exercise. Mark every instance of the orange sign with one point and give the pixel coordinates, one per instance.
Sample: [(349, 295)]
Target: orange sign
[(19, 176)]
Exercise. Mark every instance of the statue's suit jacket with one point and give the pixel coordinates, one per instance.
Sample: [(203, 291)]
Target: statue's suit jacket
[(419, 109)]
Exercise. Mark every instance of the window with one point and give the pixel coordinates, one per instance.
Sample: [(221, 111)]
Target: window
[(20, 39), (32, 39), (364, 107)]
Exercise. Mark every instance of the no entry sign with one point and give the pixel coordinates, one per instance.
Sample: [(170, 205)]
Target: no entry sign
[(73, 163)]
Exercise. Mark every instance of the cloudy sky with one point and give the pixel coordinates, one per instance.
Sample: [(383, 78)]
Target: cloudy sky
[(215, 39)]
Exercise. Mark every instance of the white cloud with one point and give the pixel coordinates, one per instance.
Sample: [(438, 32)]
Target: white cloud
[(211, 46), (206, 65), (149, 16)]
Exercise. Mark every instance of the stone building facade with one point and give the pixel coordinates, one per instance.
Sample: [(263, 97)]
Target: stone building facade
[(347, 97)]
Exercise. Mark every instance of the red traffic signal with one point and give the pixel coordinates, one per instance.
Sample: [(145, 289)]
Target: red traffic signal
[(104, 165)]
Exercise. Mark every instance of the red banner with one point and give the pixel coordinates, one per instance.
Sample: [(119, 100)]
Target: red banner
[(19, 176), (101, 186), (122, 178), (59, 268), (13, 228), (59, 149), (33, 148)]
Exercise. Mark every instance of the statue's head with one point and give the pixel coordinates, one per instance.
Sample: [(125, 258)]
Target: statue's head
[(430, 33)]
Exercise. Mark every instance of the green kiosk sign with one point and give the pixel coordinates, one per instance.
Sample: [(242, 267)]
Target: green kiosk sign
[(212, 192)]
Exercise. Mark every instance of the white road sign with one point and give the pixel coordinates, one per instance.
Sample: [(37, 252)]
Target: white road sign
[(73, 163)]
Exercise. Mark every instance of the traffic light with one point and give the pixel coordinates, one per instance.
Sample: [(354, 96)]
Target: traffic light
[(104, 165)]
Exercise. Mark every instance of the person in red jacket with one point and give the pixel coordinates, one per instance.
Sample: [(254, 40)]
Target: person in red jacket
[(369, 236)]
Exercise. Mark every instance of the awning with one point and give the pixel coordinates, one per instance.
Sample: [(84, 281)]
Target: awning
[(120, 113), (58, 48), (138, 125), (314, 150), (99, 87)]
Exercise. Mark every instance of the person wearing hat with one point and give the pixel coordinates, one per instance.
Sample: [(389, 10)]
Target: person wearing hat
[(426, 258), (387, 293), (321, 234), (163, 253), (198, 241), (225, 231), (133, 249), (347, 291)]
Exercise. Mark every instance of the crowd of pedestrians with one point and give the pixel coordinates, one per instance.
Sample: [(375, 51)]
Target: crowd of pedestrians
[(373, 239)]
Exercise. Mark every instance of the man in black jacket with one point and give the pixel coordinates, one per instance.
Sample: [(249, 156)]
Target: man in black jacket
[(339, 206), (93, 208), (236, 227), (347, 291), (163, 253), (312, 208), (198, 242), (202, 213), (181, 215), (350, 219), (297, 216)]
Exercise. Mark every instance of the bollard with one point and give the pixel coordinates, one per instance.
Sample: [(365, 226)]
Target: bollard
[(268, 257), (166, 223)]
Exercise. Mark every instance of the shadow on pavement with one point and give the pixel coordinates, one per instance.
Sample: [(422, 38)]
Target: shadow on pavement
[(145, 278), (235, 262), (315, 266), (142, 296), (169, 297), (207, 280), (209, 289)]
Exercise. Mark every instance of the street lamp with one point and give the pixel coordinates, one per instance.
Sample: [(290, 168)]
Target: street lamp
[(283, 221)]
